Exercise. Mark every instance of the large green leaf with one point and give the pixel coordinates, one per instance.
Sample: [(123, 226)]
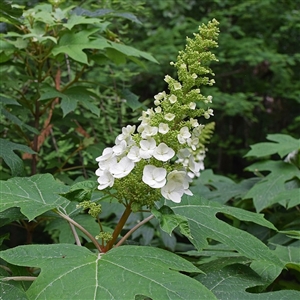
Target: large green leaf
[(201, 215), (232, 281), (10, 14), (34, 195), (104, 12), (289, 255), (221, 189), (283, 145), (73, 44), (72, 272), (78, 20), (271, 189), (130, 51), (70, 98), (13, 161)]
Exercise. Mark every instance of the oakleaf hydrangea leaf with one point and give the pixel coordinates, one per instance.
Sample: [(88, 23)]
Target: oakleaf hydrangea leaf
[(72, 272), (34, 195), (201, 216), (14, 162), (289, 255), (282, 144), (266, 192), (232, 281), (169, 221)]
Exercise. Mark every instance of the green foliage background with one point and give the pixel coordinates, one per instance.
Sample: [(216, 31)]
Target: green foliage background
[(62, 102)]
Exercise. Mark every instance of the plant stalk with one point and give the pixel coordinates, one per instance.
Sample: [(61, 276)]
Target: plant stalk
[(94, 241), (133, 229), (119, 227)]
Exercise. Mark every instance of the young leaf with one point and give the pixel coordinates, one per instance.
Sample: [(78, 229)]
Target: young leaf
[(232, 281), (8, 101), (81, 191), (169, 221), (204, 224), (34, 195), (81, 274), (13, 161)]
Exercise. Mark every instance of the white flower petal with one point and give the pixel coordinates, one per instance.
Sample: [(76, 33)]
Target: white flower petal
[(171, 192), (134, 154), (105, 180), (163, 128), (163, 153), (169, 117), (154, 177), (122, 168)]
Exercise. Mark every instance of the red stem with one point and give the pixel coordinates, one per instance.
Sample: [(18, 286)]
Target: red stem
[(118, 228)]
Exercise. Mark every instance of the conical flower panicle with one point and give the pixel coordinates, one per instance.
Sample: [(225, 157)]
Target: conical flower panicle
[(165, 152)]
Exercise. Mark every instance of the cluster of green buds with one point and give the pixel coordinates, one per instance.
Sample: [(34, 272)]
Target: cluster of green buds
[(94, 209), (165, 153)]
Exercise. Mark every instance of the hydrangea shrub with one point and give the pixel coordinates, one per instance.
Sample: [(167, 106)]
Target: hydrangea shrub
[(165, 152)]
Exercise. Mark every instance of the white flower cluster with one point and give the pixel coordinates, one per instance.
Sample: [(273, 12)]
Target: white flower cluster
[(167, 150), (118, 161)]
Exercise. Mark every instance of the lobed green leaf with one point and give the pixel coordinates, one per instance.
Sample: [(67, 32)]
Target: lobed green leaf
[(81, 274), (34, 195)]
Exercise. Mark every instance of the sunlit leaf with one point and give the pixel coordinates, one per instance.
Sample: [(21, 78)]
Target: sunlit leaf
[(34, 195), (81, 274)]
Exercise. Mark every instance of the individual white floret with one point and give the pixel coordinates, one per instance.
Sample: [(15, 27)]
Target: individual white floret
[(172, 192), (149, 131), (183, 135), (163, 128), (122, 168), (119, 149), (154, 177), (208, 113), (147, 148), (169, 117), (172, 99), (163, 153), (134, 154), (105, 179)]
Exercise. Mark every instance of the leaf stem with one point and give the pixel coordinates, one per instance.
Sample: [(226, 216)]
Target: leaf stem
[(125, 237), (19, 278), (77, 240), (119, 227), (94, 241)]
